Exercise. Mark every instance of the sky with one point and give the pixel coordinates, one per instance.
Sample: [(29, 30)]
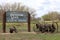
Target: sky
[(41, 6)]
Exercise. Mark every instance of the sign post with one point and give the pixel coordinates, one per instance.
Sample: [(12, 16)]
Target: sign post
[(29, 22), (4, 22)]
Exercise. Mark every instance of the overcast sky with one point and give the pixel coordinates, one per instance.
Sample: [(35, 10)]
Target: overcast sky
[(41, 6)]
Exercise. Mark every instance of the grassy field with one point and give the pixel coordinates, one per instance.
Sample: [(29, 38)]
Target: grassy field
[(21, 27), (30, 36), (24, 35)]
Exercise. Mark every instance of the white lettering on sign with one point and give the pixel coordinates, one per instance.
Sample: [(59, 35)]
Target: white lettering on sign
[(12, 14)]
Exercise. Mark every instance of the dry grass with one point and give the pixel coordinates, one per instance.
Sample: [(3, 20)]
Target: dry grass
[(24, 35)]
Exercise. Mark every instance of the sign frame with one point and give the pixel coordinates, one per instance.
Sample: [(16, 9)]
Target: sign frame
[(4, 22)]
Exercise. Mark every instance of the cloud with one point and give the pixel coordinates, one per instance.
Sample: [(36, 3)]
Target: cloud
[(51, 5), (41, 6), (33, 3)]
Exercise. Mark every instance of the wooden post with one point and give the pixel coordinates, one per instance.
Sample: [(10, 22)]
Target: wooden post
[(4, 22), (29, 22), (57, 26)]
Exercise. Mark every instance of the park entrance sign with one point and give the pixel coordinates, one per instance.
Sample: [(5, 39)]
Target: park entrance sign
[(16, 16)]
